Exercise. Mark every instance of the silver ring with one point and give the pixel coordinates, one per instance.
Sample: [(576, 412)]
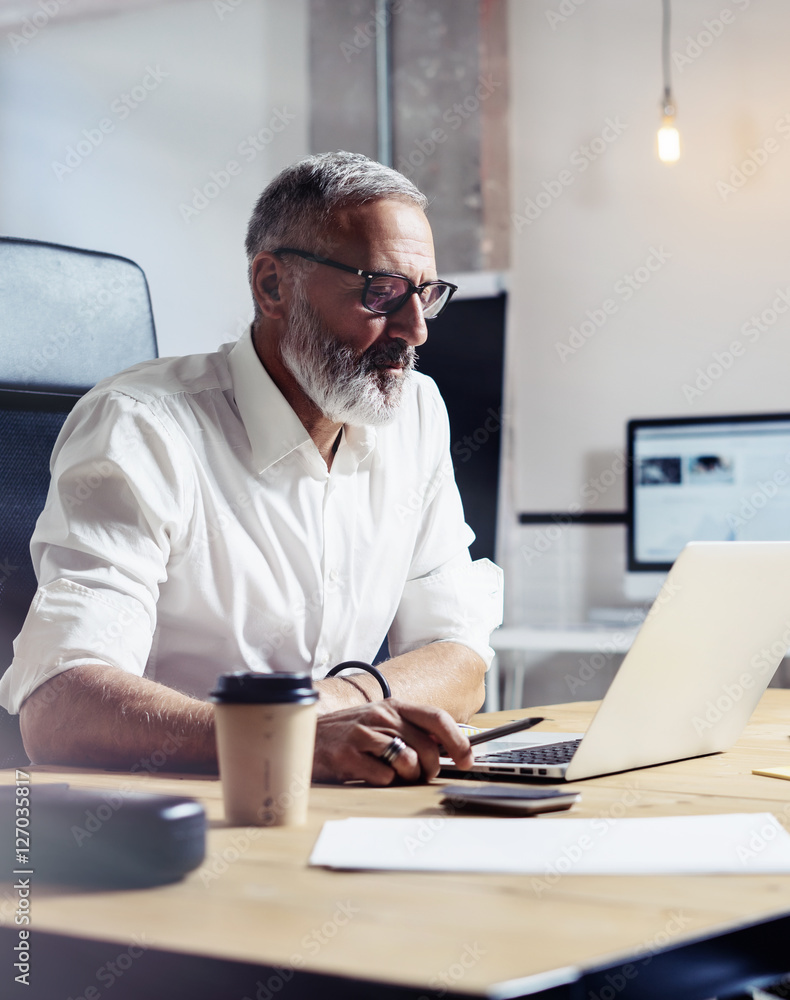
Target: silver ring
[(395, 749)]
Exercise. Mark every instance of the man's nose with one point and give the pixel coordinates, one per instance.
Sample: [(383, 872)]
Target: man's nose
[(408, 323)]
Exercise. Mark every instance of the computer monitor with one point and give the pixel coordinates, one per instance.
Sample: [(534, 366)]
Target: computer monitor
[(703, 478)]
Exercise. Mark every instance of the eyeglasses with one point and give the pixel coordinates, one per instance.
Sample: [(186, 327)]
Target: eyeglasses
[(385, 293)]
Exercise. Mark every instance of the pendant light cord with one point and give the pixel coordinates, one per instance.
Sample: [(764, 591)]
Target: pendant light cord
[(665, 28)]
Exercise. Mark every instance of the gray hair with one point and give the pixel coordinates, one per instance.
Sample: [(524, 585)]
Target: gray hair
[(296, 208)]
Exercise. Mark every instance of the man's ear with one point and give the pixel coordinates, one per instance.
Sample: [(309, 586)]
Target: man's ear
[(267, 279)]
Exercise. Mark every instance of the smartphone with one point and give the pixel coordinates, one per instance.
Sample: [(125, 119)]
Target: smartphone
[(510, 800)]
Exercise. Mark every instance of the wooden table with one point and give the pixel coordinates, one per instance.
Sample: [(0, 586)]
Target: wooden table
[(256, 922)]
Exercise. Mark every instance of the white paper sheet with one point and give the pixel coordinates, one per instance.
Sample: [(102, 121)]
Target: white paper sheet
[(733, 843)]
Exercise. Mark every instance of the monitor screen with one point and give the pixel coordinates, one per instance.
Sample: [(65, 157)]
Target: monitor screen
[(705, 479)]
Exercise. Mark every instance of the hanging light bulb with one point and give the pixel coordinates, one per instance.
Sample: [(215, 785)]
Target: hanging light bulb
[(668, 135)]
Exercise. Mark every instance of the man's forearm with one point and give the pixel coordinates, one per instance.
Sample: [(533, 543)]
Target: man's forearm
[(99, 716), (444, 675)]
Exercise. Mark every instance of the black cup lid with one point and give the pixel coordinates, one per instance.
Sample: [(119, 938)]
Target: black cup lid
[(248, 687)]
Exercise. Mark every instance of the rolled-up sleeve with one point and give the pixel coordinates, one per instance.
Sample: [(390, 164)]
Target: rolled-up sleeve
[(69, 625), (460, 603)]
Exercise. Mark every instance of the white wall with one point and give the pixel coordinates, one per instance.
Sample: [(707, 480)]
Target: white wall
[(723, 255), (221, 72)]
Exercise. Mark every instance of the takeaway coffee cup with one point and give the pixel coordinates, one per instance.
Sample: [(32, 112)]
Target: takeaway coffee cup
[(265, 725)]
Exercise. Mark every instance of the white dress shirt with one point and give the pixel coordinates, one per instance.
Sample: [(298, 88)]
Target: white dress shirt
[(192, 528)]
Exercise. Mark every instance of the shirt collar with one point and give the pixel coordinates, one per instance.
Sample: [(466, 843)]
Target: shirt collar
[(272, 426), (360, 439)]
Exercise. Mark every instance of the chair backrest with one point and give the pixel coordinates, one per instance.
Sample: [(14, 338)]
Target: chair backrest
[(29, 424), (68, 318)]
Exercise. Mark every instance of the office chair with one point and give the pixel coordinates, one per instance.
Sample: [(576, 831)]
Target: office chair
[(69, 318)]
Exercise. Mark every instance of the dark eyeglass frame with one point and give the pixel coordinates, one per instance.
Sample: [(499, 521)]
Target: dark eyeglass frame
[(369, 276)]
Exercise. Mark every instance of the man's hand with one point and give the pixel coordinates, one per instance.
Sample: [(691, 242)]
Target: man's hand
[(349, 743)]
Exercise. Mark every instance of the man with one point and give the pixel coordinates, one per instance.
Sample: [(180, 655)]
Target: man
[(281, 504)]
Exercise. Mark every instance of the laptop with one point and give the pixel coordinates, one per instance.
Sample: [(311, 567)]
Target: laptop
[(701, 661)]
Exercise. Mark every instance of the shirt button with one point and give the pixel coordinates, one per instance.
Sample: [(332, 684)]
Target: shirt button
[(334, 576)]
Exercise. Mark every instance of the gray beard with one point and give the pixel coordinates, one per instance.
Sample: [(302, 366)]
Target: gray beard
[(347, 387)]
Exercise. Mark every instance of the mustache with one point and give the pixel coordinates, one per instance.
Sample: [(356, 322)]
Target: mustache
[(397, 353)]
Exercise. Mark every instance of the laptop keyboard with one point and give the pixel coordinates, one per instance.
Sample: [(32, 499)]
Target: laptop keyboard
[(553, 753)]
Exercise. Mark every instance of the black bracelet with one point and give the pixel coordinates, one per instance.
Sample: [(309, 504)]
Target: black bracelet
[(359, 665)]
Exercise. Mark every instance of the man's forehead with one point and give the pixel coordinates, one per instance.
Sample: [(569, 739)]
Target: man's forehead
[(381, 234)]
